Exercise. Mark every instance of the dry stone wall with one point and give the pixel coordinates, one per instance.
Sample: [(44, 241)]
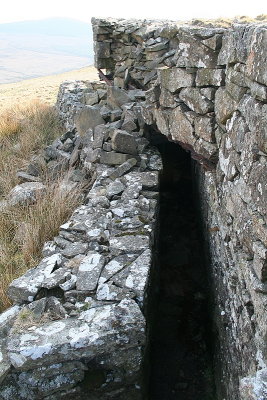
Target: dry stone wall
[(205, 89), (78, 326)]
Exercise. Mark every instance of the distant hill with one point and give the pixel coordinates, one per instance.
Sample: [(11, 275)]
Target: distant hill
[(30, 49)]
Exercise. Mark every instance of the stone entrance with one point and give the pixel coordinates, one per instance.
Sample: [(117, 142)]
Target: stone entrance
[(180, 355)]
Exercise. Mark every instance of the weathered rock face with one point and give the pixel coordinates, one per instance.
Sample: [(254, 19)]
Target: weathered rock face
[(78, 327)]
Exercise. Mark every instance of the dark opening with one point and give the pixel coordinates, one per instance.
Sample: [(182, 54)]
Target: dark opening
[(180, 360)]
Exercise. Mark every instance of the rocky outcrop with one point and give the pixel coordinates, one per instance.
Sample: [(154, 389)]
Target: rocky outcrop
[(78, 328)]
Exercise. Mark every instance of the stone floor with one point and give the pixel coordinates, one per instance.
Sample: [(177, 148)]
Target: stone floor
[(180, 357)]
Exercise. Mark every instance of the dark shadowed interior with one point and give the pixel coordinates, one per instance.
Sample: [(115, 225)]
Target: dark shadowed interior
[(180, 359)]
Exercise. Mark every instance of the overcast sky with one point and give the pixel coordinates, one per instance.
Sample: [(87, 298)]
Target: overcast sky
[(18, 10)]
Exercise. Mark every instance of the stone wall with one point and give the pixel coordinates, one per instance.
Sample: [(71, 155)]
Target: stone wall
[(78, 327), (205, 89)]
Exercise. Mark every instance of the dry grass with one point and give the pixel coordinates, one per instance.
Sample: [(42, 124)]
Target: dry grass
[(227, 22), (41, 221), (9, 124), (23, 131), (23, 230)]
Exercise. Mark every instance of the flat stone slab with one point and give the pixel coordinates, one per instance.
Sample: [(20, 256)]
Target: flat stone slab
[(24, 288), (124, 168), (7, 318), (109, 291), (56, 278), (74, 249), (45, 382), (129, 243), (136, 275), (89, 271), (115, 265), (113, 158), (149, 180), (116, 187), (102, 330)]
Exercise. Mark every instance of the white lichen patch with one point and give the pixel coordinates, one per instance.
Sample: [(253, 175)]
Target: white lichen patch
[(27, 338), (90, 262), (17, 359), (37, 351), (51, 329), (79, 336)]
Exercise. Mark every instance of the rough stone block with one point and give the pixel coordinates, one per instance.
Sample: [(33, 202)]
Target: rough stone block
[(110, 292), (91, 98), (73, 249), (88, 117), (113, 158), (102, 49), (124, 168), (149, 180), (180, 127), (204, 128), (128, 243), (195, 100), (234, 46), (225, 105), (97, 332), (115, 265), (115, 188), (24, 288), (26, 193), (136, 275), (258, 91), (116, 97), (24, 177), (210, 77), (174, 78), (89, 271), (167, 99), (235, 91), (192, 52), (5, 364), (55, 278), (206, 149), (100, 134), (124, 142), (257, 54)]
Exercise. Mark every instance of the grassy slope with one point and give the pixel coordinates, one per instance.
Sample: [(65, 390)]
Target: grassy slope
[(45, 88)]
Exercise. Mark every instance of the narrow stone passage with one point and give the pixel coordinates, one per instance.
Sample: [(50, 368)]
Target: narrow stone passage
[(180, 362)]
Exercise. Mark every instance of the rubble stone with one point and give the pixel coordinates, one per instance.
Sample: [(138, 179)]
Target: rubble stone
[(123, 142), (25, 193), (88, 117)]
